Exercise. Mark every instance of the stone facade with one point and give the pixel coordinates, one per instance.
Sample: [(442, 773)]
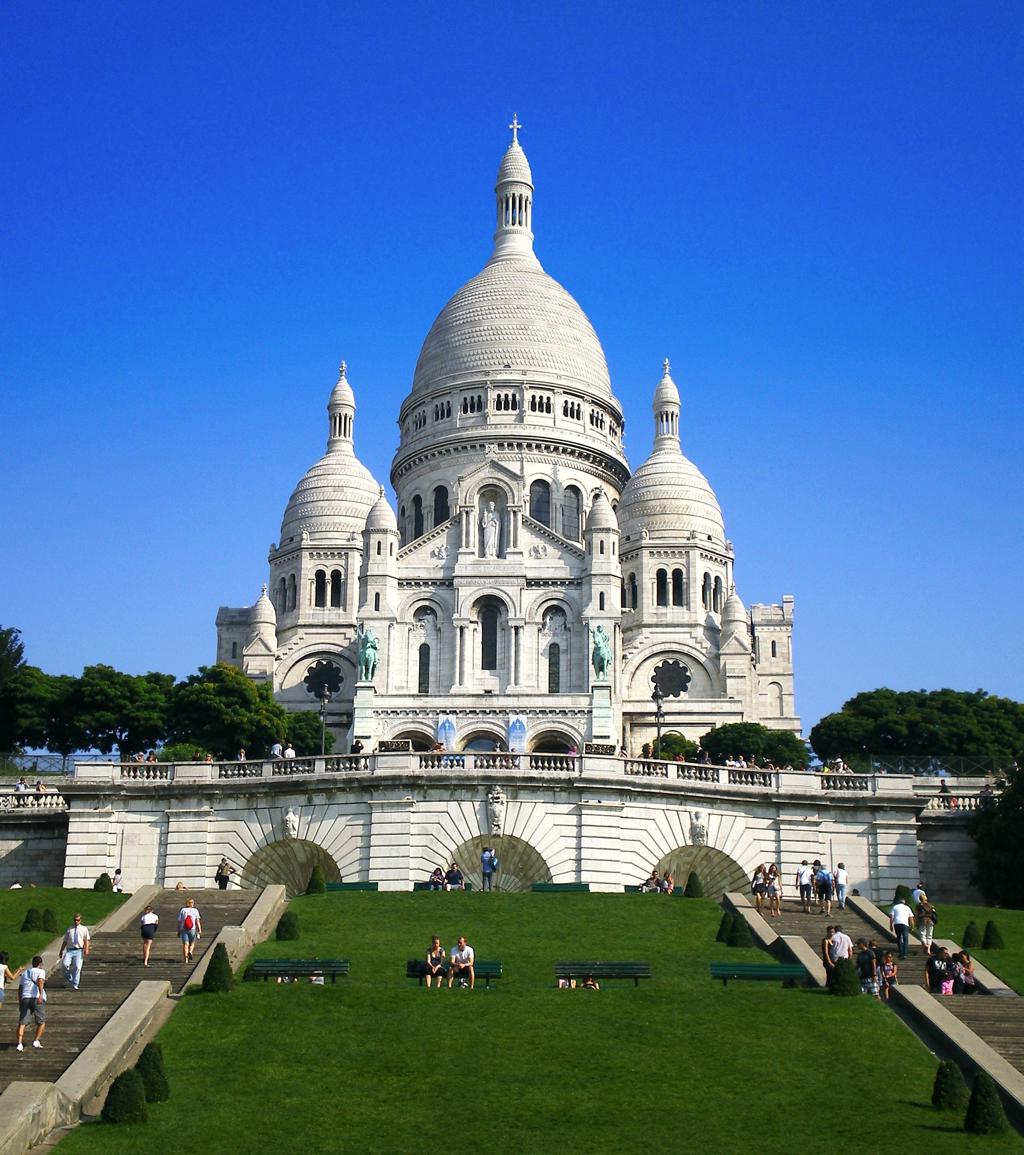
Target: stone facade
[(522, 546)]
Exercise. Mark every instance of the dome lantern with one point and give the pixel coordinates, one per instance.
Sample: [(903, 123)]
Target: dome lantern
[(514, 193), (341, 411), (666, 411)]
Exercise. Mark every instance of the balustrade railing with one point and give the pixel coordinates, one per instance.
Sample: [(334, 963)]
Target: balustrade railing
[(28, 801)]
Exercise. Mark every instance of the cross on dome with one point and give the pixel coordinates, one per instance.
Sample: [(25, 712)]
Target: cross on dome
[(515, 126), (342, 369), (665, 366)]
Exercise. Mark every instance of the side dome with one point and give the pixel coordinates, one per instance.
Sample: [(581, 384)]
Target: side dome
[(382, 516), (263, 612)]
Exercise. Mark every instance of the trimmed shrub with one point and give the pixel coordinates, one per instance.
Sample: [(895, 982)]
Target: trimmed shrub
[(126, 1099), (950, 1091), (317, 883), (985, 1114), (103, 883), (288, 926), (49, 921), (993, 940), (725, 926), (739, 933), (903, 894), (151, 1070), (694, 886), (845, 980), (971, 936), (33, 919), (218, 978)]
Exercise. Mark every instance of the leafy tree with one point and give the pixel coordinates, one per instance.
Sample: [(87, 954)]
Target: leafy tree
[(303, 729), (41, 712), (12, 653), (124, 710), (752, 740), (221, 710), (922, 722), (998, 829)]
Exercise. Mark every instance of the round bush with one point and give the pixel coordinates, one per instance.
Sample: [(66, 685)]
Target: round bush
[(950, 1091), (33, 919), (725, 926), (317, 884), (845, 980), (219, 978), (993, 940), (971, 936), (151, 1070), (739, 935), (694, 886), (103, 882), (126, 1099), (288, 926), (49, 921), (903, 894), (985, 1114)]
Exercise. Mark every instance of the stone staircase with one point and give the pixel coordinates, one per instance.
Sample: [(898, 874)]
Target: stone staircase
[(110, 974)]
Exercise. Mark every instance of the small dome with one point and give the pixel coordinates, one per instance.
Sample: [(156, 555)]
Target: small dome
[(601, 515), (333, 498), (514, 166), (263, 612), (734, 612), (671, 499), (342, 393), (666, 393), (381, 516)]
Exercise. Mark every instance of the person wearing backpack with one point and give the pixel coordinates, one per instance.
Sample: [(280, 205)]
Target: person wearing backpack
[(190, 928)]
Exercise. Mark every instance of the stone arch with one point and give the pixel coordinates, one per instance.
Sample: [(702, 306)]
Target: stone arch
[(520, 865), (554, 740), (483, 733), (288, 862), (300, 662), (704, 681), (422, 740), (716, 869)]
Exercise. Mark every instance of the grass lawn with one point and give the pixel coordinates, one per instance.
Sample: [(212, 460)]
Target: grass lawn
[(93, 904), (1008, 963), (376, 1064)]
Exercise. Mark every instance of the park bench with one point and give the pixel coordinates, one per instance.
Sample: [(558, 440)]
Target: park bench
[(554, 887), (789, 973), (603, 970), (273, 968), (485, 969), (351, 886), (426, 885)]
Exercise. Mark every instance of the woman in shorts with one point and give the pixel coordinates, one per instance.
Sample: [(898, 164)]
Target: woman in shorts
[(773, 888), (888, 975), (148, 924), (759, 886), (6, 975), (436, 966)]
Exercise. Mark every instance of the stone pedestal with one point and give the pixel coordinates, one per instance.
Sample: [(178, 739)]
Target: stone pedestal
[(364, 724), (390, 842), (602, 722)]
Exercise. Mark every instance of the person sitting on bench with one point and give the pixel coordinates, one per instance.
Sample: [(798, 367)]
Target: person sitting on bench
[(453, 879), (435, 964), (461, 966)]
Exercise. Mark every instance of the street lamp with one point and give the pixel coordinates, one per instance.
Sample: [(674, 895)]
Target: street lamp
[(657, 698), (325, 697)]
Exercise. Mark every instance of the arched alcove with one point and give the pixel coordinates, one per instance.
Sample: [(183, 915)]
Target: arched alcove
[(718, 872), (553, 742), (420, 739), (289, 863), (519, 864)]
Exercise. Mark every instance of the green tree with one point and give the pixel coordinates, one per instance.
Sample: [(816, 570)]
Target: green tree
[(221, 710), (998, 830), (125, 711), (12, 659), (45, 712), (752, 740), (303, 729)]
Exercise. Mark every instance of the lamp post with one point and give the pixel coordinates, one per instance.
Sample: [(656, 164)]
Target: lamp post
[(325, 697), (657, 697)]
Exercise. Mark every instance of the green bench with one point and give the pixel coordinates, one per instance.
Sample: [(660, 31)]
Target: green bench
[(603, 970), (788, 973), (279, 968), (426, 886), (351, 886), (485, 969), (553, 887)]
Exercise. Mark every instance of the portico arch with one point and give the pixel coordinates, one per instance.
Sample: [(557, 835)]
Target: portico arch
[(553, 741), (519, 864), (717, 871), (288, 862)]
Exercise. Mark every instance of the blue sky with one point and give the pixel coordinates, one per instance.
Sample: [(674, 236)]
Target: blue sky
[(813, 210)]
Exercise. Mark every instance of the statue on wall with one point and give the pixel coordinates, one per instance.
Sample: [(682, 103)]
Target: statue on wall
[(496, 809), (367, 653), (290, 824), (698, 829), (489, 525), (602, 656)]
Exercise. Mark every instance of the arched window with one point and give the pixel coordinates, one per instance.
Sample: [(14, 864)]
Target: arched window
[(291, 592), (234, 650), (441, 512), (717, 596), (775, 699), (600, 601), (376, 602), (540, 502), (282, 596), (705, 592), (775, 650), (572, 506), (423, 674), (335, 589), (320, 589), (622, 597), (488, 636), (633, 598), (677, 587), (661, 588), (554, 668), (417, 516)]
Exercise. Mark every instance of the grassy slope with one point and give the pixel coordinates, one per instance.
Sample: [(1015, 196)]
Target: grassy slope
[(1008, 963), (92, 904), (377, 1064)]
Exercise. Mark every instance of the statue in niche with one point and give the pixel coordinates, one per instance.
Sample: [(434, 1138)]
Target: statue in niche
[(489, 526), (367, 653), (698, 829), (496, 809), (602, 655), (290, 824)]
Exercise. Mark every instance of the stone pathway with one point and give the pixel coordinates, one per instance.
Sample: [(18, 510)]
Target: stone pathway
[(112, 971)]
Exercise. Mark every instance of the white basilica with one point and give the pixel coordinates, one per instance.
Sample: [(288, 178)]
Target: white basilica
[(530, 593)]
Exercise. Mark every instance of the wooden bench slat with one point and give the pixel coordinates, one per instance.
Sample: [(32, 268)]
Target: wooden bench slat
[(279, 967), (485, 969), (762, 972), (604, 970), (557, 887)]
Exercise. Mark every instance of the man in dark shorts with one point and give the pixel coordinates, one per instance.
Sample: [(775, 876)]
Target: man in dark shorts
[(32, 1002)]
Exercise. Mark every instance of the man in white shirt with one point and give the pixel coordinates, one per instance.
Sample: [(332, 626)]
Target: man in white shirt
[(277, 751), (900, 919), (841, 945), (915, 894), (805, 884), (74, 950), (461, 968), (32, 1002), (289, 751)]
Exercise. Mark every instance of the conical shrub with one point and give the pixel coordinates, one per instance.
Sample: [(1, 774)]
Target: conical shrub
[(694, 886), (739, 934), (950, 1091), (993, 940), (103, 882), (33, 919), (151, 1070), (218, 978), (725, 926), (49, 921), (903, 894), (317, 884), (971, 935), (985, 1114), (288, 926), (845, 980), (126, 1099)]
